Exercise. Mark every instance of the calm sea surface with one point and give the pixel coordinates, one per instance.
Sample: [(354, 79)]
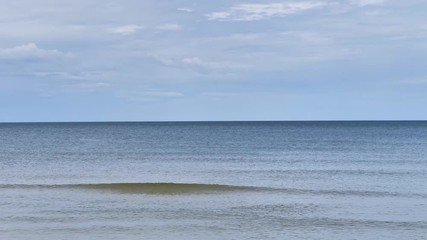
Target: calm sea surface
[(213, 180)]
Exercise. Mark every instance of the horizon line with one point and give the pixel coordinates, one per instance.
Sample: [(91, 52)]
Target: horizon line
[(210, 121)]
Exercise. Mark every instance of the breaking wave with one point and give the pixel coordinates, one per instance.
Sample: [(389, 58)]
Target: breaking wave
[(198, 188), (144, 188)]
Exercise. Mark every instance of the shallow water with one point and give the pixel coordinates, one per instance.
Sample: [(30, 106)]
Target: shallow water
[(214, 180)]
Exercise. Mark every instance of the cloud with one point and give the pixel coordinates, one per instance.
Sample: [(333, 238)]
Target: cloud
[(197, 64), (31, 51), (150, 95), (85, 87), (271, 51), (192, 61), (363, 3), (162, 94), (93, 86), (170, 27), (82, 75), (219, 94), (375, 13), (307, 38), (184, 9), (253, 12), (125, 29)]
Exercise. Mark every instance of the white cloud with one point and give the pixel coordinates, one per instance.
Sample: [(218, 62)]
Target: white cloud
[(31, 51), (219, 94), (197, 64), (162, 94), (307, 38), (83, 75), (201, 65), (170, 27), (252, 12), (192, 61), (184, 9), (93, 86), (375, 13), (150, 95), (125, 29), (363, 3)]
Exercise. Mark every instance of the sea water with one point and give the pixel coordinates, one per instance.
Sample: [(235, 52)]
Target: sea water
[(213, 180)]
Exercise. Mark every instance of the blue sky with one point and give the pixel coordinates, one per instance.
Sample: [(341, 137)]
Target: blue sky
[(150, 60)]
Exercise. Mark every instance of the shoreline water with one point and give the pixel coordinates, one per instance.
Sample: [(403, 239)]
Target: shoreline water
[(221, 180)]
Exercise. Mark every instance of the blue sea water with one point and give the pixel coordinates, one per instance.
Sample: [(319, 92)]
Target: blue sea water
[(214, 180)]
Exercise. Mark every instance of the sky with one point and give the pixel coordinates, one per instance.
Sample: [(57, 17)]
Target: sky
[(182, 60)]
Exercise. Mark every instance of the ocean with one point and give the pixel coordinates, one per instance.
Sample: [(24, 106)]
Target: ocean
[(213, 180)]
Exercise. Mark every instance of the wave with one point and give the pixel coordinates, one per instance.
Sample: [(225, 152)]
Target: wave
[(198, 188), (142, 188)]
